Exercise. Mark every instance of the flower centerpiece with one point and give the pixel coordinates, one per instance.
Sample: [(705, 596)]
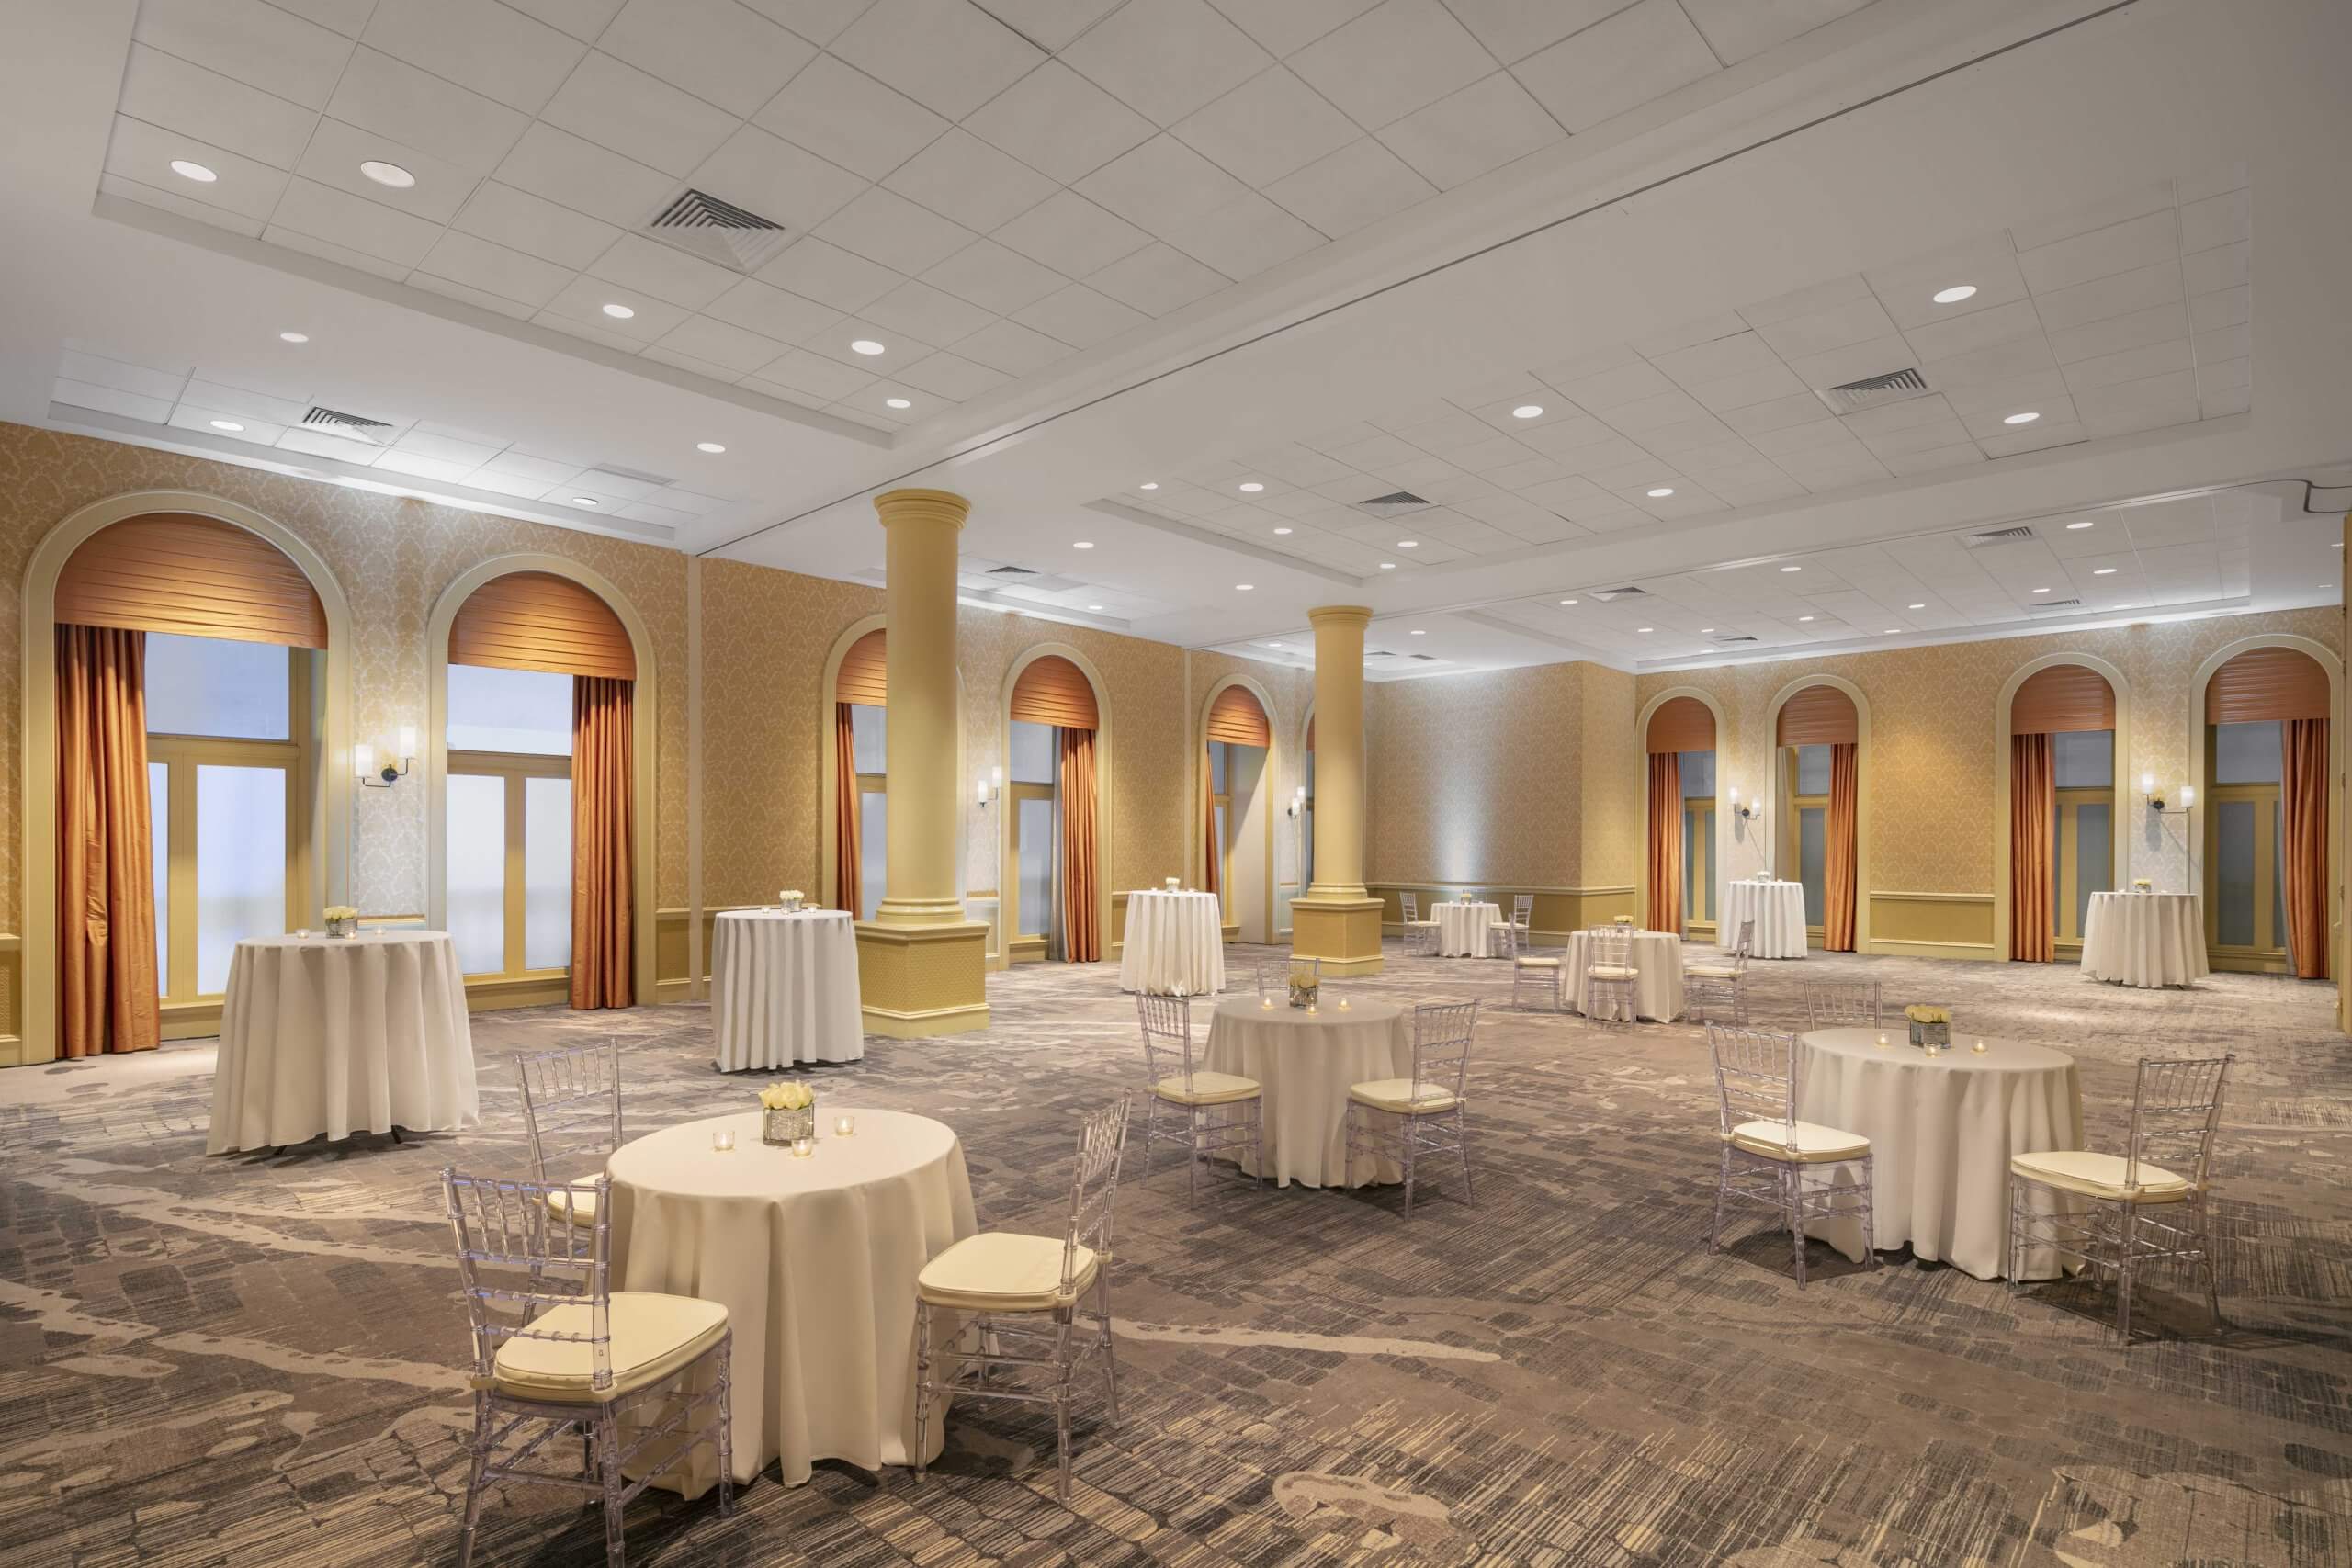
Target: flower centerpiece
[(1621, 919), (342, 919), (791, 898), (2143, 884), (1306, 986), (1930, 1025), (1175, 884), (787, 1110)]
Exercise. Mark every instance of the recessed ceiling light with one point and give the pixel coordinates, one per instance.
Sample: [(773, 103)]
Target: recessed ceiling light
[(2028, 417), (1409, 544), (1804, 618), (1793, 569), (1891, 631), (1955, 294), (1663, 489), (620, 312), (293, 337), (2083, 525), (1388, 566), (1646, 628), (1915, 606), (1148, 484), (1082, 544), (867, 346), (2104, 571), (1094, 606), (190, 171), (895, 403), (2041, 591), (1281, 530), (226, 425), (1252, 488), (1243, 587), (1273, 645), (1568, 601), (711, 446), (1706, 631), (385, 174), (583, 501), (1417, 632), (1528, 411)]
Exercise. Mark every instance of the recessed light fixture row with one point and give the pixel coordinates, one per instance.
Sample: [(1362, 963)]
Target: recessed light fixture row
[(1955, 294), (1409, 544), (2103, 571), (1252, 488), (619, 311), (2026, 417), (1082, 544), (1281, 530), (897, 403), (1793, 569), (712, 447), (2085, 524), (187, 169), (865, 345), (1915, 606), (1528, 411), (1388, 566), (1148, 484), (1243, 587), (385, 174), (1417, 632), (1662, 491), (293, 337)]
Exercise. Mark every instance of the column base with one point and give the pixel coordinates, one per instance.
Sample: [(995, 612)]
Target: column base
[(918, 981), (1342, 933)]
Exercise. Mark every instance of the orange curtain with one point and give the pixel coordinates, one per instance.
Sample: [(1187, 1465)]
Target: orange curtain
[(108, 991), (2305, 851), (604, 824), (1208, 813), (1082, 931), (2033, 810), (1837, 864), (1665, 912), (847, 853)]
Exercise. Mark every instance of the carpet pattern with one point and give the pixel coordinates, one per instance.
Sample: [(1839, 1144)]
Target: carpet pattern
[(258, 1359)]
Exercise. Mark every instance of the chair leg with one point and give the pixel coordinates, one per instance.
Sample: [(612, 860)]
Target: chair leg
[(923, 1385), (473, 1479), (1061, 1403), (1110, 1354), (1193, 1153), (727, 1426), (2205, 1261), (2017, 1260), (1405, 1124), (1870, 1211), (1723, 1179), (1348, 1146), (1150, 1131), (2127, 1233), (1258, 1142), (609, 1453), (1462, 1142), (1793, 1182)]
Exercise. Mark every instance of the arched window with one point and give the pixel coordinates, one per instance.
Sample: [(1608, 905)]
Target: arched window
[(1818, 740), (860, 779), (2061, 808), (1052, 849), (2267, 755), (1234, 784), (1682, 881)]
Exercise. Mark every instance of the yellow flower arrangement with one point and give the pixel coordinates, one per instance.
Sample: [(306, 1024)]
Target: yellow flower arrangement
[(787, 1095), (341, 912), (1920, 1013)]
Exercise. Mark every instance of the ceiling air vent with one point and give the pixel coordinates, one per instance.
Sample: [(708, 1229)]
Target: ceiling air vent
[(1996, 536), (1727, 641), (350, 426), (701, 224), (1379, 654), (1611, 595), (2041, 605), (1010, 572), (1871, 392), (1426, 658), (1391, 505)]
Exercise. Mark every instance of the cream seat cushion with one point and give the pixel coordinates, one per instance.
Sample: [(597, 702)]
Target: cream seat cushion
[(1208, 1089), (653, 1336), (1527, 962), (1714, 971), (2100, 1176), (580, 1205), (1001, 1271), (1612, 972), (1813, 1141), (1397, 1094)]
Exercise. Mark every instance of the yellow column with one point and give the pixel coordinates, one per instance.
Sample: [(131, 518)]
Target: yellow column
[(1335, 920), (921, 963)]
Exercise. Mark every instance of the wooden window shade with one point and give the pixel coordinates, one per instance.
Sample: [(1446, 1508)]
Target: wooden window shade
[(1054, 691), (865, 673), (1683, 724), (1819, 716), (2263, 683), (536, 620), (1236, 717), (195, 576), (2063, 697)]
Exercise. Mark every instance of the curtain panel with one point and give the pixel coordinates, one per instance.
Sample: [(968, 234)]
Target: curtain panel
[(107, 989), (1665, 911), (1081, 878), (2034, 812), (2304, 852), (604, 822), (847, 851), (1208, 814), (1838, 871)]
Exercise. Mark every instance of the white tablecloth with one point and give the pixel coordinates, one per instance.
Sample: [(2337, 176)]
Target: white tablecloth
[(1657, 991), (1306, 1063), (815, 1260), (1778, 910), (1462, 927), (2144, 938), (340, 1035), (1175, 941), (1941, 1133), (784, 988)]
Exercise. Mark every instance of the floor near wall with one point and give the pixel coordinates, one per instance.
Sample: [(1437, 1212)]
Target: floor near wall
[(257, 1361)]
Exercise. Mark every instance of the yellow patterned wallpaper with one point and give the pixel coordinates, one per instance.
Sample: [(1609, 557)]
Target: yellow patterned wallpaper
[(1615, 770), (1477, 778)]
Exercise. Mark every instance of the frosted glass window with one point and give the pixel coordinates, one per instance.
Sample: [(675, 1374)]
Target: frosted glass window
[(2083, 759), (239, 864), (873, 849), (1036, 830), (1033, 753), (1217, 767), (546, 873), (203, 685), (1224, 893), (477, 908), (2247, 753), (2094, 858), (1812, 842), (159, 829), (527, 711), (2234, 827), (1308, 779), (1698, 775), (1698, 866), (1306, 840), (1813, 769), (869, 734)]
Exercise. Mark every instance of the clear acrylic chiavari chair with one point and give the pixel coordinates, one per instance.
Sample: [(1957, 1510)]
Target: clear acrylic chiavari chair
[(2117, 1213), (571, 1109), (1420, 935), (1609, 974), (1425, 1114), (1025, 1291), (1714, 990), (1769, 1157), (1208, 1112), (557, 1350), (1508, 938), (1841, 1004)]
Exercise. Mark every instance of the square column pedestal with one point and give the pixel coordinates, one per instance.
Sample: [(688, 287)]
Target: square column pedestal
[(916, 981), (1343, 932)]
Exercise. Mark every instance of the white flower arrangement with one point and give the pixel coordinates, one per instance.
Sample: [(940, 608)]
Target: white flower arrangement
[(1919, 1012), (341, 912), (787, 1095)]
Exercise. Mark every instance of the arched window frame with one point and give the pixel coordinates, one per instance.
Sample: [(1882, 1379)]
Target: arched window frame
[(2127, 808), (1724, 823), (1273, 771), (1104, 798), (1775, 818)]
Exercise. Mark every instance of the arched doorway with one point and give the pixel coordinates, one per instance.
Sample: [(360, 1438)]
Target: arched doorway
[(1236, 819), (1055, 901), (2060, 832), (2268, 808), (1679, 879), (1821, 824)]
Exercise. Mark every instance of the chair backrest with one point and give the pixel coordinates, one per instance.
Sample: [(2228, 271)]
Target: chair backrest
[(1277, 975), (1441, 1035), (1522, 910), (1411, 903), (2175, 1105), (1094, 1186), (1756, 1076), (1744, 948), (570, 1098), (1166, 1039), (518, 1256), (1841, 1004), (1611, 945)]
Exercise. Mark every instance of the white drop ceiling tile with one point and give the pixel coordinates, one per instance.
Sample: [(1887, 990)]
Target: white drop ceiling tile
[(1513, 30), (2223, 375), (1612, 388), (636, 266), (96, 370), (336, 151), (1670, 407), (1753, 486), (1854, 321), (2158, 195), (952, 375), (930, 314), (580, 327), (110, 399), (584, 301), (1285, 27), (445, 449), (2138, 329), (2227, 400), (259, 45), (1907, 414), (2225, 267), (1160, 185), (731, 348), (1874, 356), (894, 232), (813, 375), (1988, 328), (2221, 308), (1778, 413), (1607, 453), (899, 349), (948, 56), (1156, 281), (2167, 358), (849, 118), (1071, 234), (1935, 434), (1573, 497), (492, 49), (2149, 402), (1760, 386), (143, 154), (1738, 30), (776, 179), (336, 446), (345, 17), (2122, 247), (2223, 220), (1450, 429), (716, 49), (163, 90), (638, 115), (172, 201), (2017, 359), (518, 220), (1682, 436), (1166, 58), (690, 503), (1497, 414), (859, 412), (1908, 288), (783, 393), (507, 484), (1713, 358), (1812, 435), (1643, 52), (2118, 294), (646, 511), (609, 484), (1271, 126), (1374, 453), (1396, 58), (563, 170), (829, 275), (467, 294), (962, 177), (986, 273), (2211, 180), (1079, 316), (2049, 399), (493, 269), (583, 19), (526, 467), (355, 224), (2038, 436), (1833, 468), (1057, 121), (419, 110)]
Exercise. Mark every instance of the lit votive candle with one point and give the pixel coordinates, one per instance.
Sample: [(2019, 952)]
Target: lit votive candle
[(803, 1147), (844, 1126), (1882, 1042), (1979, 1046), (1265, 1001), (1311, 1008), (1344, 1004), (723, 1141)]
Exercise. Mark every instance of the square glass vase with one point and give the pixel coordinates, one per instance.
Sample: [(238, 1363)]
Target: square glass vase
[(1936, 1035), (785, 1126)]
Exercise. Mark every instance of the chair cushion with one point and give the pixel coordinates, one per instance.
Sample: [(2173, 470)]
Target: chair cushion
[(653, 1336), (1813, 1141), (1208, 1089), (1430, 924), (1714, 971), (1397, 1094), (2099, 1176), (578, 1205), (1612, 972), (1001, 1272), (1525, 961)]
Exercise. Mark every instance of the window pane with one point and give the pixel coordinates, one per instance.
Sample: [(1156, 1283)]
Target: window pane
[(1217, 767), (159, 819), (203, 685), (1698, 773), (2279, 935), (869, 735), (2242, 753), (1033, 753), (1813, 769), (477, 872), (1224, 866), (1034, 831), (1691, 866), (1306, 843), (510, 710), (2233, 872), (1308, 776), (1812, 842), (2094, 858), (546, 873), (2083, 759), (239, 864), (873, 850), (1706, 901)]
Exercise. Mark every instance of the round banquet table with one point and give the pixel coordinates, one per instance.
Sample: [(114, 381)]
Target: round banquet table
[(1658, 986), (2144, 938), (1174, 944), (815, 1260), (339, 1035), (1462, 927), (1305, 1062), (1941, 1133), (1778, 910), (784, 988)]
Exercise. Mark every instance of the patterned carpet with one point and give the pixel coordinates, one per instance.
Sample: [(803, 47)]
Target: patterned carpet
[(257, 1359)]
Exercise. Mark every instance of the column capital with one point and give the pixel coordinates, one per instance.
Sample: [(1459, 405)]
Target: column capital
[(1340, 615), (921, 506)]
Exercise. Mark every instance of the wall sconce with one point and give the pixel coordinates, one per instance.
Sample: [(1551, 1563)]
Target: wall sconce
[(1297, 803), (1746, 810), (987, 789), (362, 762), (2156, 802)]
